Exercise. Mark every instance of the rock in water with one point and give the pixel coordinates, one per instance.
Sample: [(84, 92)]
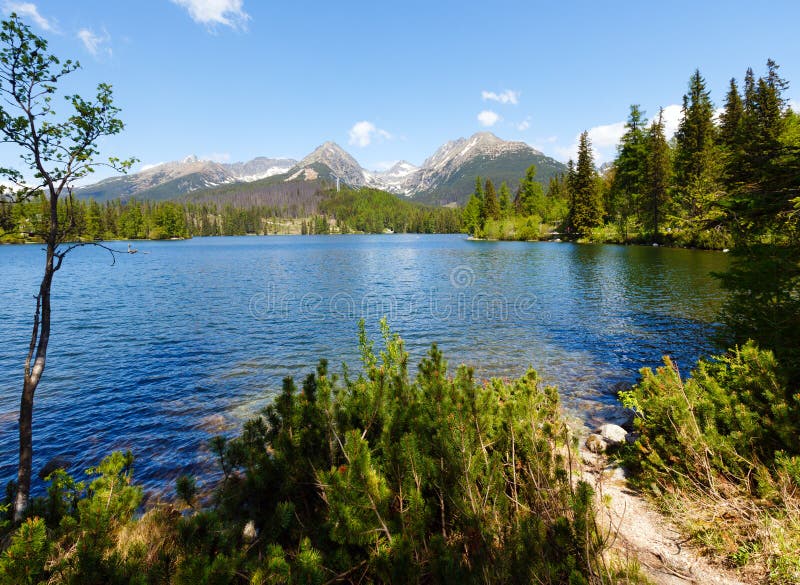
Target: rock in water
[(57, 462), (612, 434)]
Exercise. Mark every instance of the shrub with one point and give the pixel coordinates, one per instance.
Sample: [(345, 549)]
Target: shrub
[(720, 450), (425, 480)]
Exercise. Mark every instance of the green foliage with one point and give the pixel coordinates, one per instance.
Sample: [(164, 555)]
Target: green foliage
[(186, 489), (386, 476), (761, 205), (471, 217), (722, 447), (763, 302), (491, 205), (505, 200), (528, 218), (733, 415), (22, 563), (586, 207), (75, 541), (373, 211), (657, 178), (365, 210), (531, 199), (627, 188), (697, 160)]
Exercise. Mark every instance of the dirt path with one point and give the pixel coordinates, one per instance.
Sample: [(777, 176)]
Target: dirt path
[(665, 556)]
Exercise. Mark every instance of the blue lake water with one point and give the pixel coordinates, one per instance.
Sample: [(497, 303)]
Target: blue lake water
[(186, 339)]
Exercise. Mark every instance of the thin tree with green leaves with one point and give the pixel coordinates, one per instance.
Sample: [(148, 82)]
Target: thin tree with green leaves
[(56, 151)]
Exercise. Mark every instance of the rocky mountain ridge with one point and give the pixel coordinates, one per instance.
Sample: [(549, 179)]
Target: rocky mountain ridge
[(440, 176)]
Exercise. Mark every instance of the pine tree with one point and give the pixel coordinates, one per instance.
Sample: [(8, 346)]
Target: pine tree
[(696, 156), (627, 187), (471, 216), (657, 175), (587, 208), (530, 198), (505, 200), (730, 121), (481, 198), (763, 183), (491, 203), (757, 163), (569, 192)]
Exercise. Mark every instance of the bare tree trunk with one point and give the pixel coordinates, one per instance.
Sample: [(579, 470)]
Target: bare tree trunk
[(34, 366)]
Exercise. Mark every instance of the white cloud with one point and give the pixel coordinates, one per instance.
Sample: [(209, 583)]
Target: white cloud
[(28, 9), (672, 118), (216, 12), (524, 125), (488, 118), (604, 140), (363, 133), (147, 167), (606, 137), (795, 105), (508, 96), (94, 43)]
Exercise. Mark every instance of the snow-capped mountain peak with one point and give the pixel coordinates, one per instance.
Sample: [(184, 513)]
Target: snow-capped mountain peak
[(446, 175)]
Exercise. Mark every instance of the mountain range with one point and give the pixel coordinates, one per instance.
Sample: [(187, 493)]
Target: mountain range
[(448, 176)]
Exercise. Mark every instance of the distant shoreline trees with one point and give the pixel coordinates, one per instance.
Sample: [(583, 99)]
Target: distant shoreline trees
[(364, 210)]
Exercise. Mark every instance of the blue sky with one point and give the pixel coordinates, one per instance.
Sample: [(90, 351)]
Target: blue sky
[(234, 79)]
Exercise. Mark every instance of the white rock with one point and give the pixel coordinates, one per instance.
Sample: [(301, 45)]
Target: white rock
[(612, 434), (249, 532)]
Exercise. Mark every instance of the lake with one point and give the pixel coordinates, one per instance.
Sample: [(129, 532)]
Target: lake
[(186, 339)]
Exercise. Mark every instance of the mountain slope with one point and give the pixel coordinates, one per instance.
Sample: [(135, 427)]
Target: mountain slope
[(173, 179), (449, 175), (329, 162)]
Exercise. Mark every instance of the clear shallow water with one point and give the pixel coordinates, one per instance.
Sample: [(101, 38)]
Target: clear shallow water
[(185, 340)]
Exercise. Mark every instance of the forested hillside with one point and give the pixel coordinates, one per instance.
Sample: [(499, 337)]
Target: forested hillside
[(298, 208)]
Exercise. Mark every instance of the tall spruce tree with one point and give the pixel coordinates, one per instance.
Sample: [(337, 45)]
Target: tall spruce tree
[(491, 203), (730, 121), (657, 176), (586, 212), (481, 198), (505, 200), (627, 187), (569, 192), (530, 198), (696, 156), (758, 161), (763, 189), (471, 216)]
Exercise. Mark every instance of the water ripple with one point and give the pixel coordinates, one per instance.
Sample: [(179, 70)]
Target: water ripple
[(164, 350)]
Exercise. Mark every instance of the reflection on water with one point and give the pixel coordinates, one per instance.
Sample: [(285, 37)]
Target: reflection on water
[(165, 349)]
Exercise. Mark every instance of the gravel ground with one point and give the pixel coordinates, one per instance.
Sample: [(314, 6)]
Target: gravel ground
[(664, 554)]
